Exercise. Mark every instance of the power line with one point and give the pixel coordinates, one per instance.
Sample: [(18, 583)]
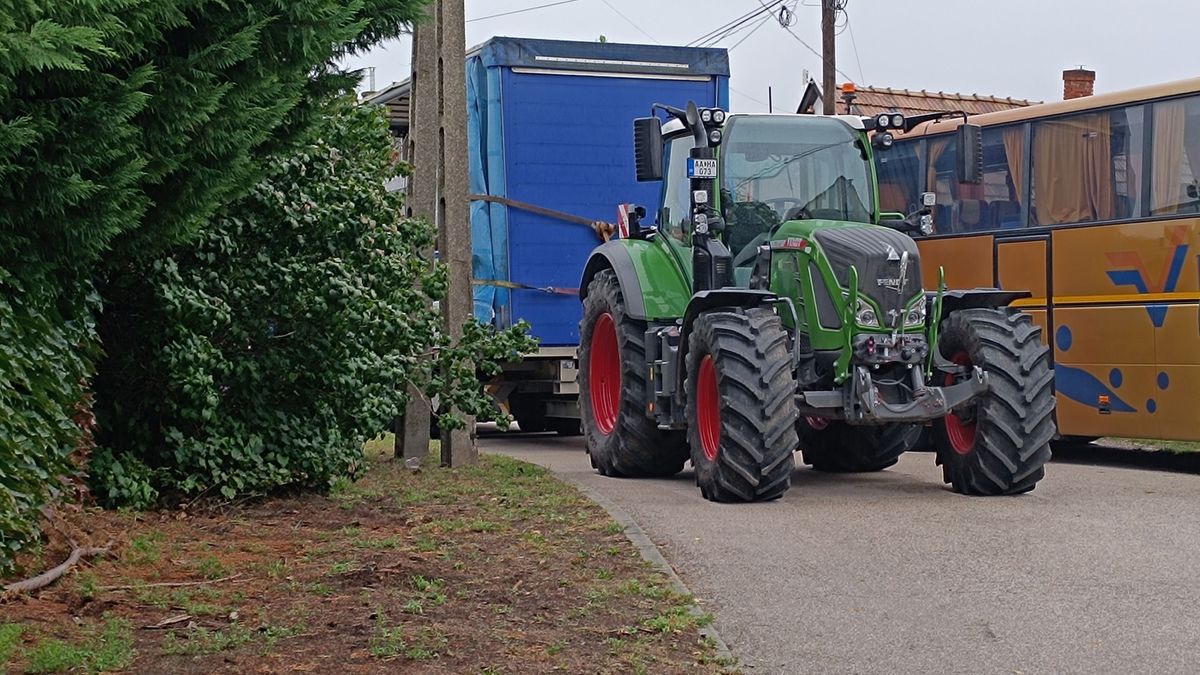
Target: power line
[(754, 30), (809, 47), (721, 32), (630, 21), (521, 11), (863, 78)]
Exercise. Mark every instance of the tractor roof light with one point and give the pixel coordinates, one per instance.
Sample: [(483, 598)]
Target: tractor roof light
[(718, 116), (883, 121), (884, 140), (706, 116), (715, 137), (897, 121)]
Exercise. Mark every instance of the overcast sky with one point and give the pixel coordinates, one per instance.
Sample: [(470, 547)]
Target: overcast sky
[(1015, 48)]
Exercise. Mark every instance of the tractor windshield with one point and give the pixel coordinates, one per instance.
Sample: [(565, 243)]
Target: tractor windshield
[(784, 168)]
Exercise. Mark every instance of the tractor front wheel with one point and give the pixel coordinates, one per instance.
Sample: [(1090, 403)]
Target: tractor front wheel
[(740, 397), (837, 447), (622, 439), (998, 444)]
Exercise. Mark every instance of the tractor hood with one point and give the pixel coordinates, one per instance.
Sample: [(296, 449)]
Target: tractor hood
[(876, 253)]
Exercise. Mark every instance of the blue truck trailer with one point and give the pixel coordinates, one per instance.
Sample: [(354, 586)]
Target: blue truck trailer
[(551, 155)]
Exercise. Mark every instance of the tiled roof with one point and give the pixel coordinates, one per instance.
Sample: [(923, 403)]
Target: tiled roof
[(871, 100)]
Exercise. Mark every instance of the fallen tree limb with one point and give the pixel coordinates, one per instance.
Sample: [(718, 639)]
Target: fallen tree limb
[(55, 573), (167, 584)]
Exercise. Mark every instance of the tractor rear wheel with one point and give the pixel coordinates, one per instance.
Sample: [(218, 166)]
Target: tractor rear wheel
[(740, 397), (1000, 443), (837, 447), (621, 439)]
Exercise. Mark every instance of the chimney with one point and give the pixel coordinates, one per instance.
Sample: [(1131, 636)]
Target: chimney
[(1078, 83)]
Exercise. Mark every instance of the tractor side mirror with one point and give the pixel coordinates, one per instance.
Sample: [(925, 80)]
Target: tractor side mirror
[(648, 148), (970, 153)]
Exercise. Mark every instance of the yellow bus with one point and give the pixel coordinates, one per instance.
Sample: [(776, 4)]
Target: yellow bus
[(1093, 205)]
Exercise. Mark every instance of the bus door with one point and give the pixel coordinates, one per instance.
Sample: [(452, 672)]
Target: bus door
[(1024, 263)]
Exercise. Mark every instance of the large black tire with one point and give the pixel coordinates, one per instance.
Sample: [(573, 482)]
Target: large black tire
[(999, 444), (844, 448), (741, 404), (621, 439)]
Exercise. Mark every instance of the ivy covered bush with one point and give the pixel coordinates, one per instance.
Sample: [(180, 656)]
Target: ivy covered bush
[(263, 354)]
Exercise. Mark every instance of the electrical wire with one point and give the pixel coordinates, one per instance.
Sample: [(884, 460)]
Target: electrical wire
[(721, 32), (754, 30), (520, 11), (630, 21), (853, 43)]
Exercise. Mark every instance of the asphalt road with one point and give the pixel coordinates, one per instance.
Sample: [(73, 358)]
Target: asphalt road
[(1096, 571)]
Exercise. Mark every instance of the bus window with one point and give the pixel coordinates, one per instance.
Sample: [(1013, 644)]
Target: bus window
[(1003, 176), (1175, 171), (1086, 168), (899, 171), (967, 207)]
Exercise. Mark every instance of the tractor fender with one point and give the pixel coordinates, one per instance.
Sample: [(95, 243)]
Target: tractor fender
[(652, 284), (975, 298), (615, 256), (706, 301)]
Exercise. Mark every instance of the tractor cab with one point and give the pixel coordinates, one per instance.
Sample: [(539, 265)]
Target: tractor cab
[(772, 169)]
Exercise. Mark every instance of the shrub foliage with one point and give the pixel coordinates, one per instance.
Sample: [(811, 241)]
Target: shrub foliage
[(265, 353)]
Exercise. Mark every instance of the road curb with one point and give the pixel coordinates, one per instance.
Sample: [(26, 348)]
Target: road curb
[(638, 537)]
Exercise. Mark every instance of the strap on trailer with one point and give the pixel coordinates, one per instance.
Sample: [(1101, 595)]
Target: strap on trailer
[(602, 229)]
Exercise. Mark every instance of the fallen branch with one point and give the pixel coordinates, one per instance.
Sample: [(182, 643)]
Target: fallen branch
[(167, 584), (54, 574)]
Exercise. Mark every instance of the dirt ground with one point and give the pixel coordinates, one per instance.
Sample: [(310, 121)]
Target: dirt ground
[(497, 568)]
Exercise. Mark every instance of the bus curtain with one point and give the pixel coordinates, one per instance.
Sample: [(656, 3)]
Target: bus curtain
[(1074, 170), (1167, 173), (1014, 152)]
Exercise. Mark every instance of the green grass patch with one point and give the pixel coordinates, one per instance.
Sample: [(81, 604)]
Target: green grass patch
[(10, 639), (417, 644), (104, 648), (144, 549)]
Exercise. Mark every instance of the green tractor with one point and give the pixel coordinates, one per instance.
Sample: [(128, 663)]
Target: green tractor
[(773, 308)]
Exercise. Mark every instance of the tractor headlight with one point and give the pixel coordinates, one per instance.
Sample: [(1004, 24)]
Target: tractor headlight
[(865, 316), (883, 121), (719, 117), (714, 137), (915, 316), (706, 116)]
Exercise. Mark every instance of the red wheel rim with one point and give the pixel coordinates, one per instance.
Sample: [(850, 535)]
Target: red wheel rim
[(604, 374), (817, 423), (961, 434), (708, 409)]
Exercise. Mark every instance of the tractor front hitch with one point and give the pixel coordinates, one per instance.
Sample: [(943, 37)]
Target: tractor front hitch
[(860, 401)]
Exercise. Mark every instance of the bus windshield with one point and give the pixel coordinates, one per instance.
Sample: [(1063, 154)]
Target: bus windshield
[(791, 168)]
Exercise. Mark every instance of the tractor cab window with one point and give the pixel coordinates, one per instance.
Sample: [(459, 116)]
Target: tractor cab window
[(778, 169), (675, 218)]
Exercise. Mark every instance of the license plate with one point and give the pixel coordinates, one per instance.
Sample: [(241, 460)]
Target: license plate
[(702, 168)]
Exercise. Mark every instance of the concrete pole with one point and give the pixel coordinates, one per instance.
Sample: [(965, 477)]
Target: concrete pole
[(453, 207), (828, 56), (412, 436)]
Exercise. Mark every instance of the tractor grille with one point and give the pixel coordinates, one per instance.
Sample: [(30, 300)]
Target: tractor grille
[(868, 249)]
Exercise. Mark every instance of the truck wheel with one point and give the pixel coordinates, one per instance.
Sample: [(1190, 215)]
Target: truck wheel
[(741, 403), (1000, 443), (834, 446), (621, 439)]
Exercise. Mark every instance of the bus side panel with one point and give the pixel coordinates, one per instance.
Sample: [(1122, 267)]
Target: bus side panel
[(1103, 370), (1127, 327), (967, 260)]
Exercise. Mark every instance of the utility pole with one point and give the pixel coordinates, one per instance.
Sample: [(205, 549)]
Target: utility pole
[(829, 57), (439, 192)]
